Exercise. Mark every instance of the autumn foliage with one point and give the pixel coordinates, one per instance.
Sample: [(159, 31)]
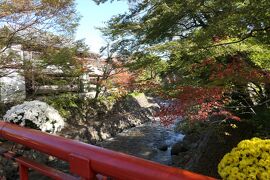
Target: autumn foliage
[(195, 104), (123, 79), (236, 69), (199, 103)]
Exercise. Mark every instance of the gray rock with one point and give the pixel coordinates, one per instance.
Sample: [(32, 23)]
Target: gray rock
[(178, 148), (163, 147)]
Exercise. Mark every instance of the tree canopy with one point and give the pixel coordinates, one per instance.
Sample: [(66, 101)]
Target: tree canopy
[(27, 20), (158, 21), (46, 28), (209, 44), (189, 31)]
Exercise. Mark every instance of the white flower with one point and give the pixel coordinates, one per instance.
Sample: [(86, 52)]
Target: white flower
[(45, 117)]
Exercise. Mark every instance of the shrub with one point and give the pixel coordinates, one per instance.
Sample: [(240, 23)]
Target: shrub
[(64, 103), (249, 160)]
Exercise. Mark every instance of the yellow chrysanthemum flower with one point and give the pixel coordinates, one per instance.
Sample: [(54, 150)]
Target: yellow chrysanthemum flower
[(249, 160)]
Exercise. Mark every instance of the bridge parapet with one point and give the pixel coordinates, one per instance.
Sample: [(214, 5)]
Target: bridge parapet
[(85, 161)]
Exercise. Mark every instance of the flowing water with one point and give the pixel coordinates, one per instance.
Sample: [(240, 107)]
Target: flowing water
[(150, 141)]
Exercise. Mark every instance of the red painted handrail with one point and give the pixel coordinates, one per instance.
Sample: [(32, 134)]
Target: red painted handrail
[(88, 161)]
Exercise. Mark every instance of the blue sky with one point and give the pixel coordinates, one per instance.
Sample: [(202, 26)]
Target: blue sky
[(95, 16)]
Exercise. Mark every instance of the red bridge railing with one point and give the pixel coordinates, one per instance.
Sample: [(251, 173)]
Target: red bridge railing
[(85, 161)]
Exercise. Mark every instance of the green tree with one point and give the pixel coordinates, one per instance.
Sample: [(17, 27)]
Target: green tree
[(37, 25), (24, 21), (187, 33), (24, 18), (158, 21), (55, 66)]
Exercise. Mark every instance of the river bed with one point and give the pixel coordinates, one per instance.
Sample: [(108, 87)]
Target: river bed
[(150, 141)]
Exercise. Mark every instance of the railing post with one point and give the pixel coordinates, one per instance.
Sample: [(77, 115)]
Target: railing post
[(23, 170), (81, 166)]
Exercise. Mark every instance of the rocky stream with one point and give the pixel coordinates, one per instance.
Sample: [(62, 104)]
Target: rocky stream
[(129, 127), (150, 141)]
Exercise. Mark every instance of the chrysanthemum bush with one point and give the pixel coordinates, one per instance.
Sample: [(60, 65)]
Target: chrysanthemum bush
[(249, 160), (36, 114)]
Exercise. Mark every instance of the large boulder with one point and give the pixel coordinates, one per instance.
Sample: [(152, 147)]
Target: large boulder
[(178, 148), (37, 115), (201, 153)]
